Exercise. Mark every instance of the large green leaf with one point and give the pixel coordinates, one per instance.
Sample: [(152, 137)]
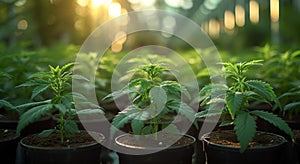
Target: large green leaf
[(158, 98), (275, 120), (245, 129), (32, 115), (235, 102)]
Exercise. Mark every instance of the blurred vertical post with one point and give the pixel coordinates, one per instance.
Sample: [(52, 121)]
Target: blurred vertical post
[(274, 16)]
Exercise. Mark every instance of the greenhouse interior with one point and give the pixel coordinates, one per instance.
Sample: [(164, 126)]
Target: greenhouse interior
[(150, 81)]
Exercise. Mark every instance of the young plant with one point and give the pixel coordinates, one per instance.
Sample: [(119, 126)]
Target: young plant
[(154, 100), (60, 101), (234, 98)]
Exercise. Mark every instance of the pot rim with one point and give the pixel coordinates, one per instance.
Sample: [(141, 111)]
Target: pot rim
[(154, 148), (283, 141), (63, 148)]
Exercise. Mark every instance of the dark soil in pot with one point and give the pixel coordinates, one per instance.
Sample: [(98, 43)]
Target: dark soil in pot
[(223, 147), (214, 123), (179, 153), (10, 121), (81, 149), (8, 145)]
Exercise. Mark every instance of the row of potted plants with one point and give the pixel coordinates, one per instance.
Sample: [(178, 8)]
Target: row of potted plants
[(156, 101)]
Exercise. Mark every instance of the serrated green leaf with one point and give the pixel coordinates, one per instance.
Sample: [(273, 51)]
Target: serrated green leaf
[(291, 106), (70, 127), (263, 89), (90, 112), (275, 120), (32, 115), (137, 126), (4, 103), (37, 90), (148, 129), (158, 97), (245, 129), (31, 104), (61, 108), (234, 103)]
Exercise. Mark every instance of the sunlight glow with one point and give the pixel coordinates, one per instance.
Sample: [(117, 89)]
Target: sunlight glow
[(254, 11), (82, 3), (240, 15), (229, 20), (98, 3), (22, 24), (274, 10), (114, 9), (214, 28)]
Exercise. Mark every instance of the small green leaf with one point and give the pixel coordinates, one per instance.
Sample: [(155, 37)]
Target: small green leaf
[(46, 133), (245, 129), (90, 112), (61, 108), (275, 120), (291, 106)]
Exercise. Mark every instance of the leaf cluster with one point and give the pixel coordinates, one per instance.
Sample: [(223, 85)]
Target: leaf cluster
[(61, 101), (233, 100), (154, 100)]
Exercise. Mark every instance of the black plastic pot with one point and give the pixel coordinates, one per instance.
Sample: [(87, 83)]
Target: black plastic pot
[(216, 153), (173, 154), (8, 149), (87, 154)]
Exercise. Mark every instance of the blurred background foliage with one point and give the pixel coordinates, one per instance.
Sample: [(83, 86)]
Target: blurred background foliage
[(38, 33)]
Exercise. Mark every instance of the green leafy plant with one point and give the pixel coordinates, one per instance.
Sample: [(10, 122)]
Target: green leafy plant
[(154, 100), (235, 98), (5, 104), (290, 101), (60, 101)]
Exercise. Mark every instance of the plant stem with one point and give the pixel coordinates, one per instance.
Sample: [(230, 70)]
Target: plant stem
[(61, 127)]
